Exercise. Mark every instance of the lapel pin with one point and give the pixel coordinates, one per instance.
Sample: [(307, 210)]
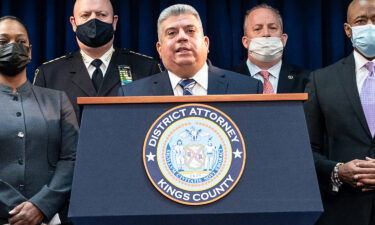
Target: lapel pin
[(290, 77)]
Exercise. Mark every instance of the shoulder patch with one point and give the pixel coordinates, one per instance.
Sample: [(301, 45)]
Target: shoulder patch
[(146, 56), (61, 57)]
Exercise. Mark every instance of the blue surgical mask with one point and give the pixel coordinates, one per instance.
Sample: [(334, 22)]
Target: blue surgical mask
[(363, 39)]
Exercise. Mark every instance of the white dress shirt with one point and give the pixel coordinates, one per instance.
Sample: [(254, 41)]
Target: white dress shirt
[(360, 70), (106, 59), (200, 88), (274, 73)]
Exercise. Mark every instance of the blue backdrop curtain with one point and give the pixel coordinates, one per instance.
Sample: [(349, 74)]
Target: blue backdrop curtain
[(315, 28)]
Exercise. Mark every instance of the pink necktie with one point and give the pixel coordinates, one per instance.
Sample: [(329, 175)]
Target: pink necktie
[(368, 97), (267, 86)]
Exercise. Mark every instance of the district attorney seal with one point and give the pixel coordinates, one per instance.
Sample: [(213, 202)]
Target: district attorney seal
[(194, 154)]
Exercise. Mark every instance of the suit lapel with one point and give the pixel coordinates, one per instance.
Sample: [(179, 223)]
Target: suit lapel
[(285, 84), (242, 68), (41, 100), (217, 81), (161, 85), (80, 76), (112, 77), (349, 84)]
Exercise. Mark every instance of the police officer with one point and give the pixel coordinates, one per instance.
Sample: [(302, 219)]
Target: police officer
[(97, 69)]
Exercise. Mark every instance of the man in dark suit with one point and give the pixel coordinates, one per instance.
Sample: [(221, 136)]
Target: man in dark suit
[(183, 49), (97, 69), (340, 114), (265, 41)]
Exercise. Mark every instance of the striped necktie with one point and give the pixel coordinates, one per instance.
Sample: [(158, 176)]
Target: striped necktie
[(187, 86), (267, 86)]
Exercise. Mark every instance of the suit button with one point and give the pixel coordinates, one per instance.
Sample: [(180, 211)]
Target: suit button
[(21, 134), (18, 114), (20, 161)]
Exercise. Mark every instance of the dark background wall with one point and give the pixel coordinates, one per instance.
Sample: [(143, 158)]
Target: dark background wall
[(315, 28)]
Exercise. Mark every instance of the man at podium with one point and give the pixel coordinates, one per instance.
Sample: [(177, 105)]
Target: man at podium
[(183, 49)]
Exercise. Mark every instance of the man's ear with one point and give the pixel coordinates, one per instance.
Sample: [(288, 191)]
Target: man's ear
[(207, 43), (73, 23), (158, 48), (115, 20), (245, 42), (348, 30), (284, 39)]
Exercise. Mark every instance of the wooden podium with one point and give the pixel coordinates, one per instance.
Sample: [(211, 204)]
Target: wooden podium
[(278, 184)]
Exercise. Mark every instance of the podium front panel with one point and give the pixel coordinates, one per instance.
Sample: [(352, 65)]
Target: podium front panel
[(278, 184)]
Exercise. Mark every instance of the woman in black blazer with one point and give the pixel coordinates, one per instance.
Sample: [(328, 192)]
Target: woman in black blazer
[(38, 137)]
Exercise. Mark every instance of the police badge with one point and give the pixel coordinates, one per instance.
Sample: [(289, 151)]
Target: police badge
[(194, 154)]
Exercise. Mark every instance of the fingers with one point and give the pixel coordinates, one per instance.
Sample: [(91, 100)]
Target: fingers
[(17, 209), (28, 215), (367, 181), (351, 172), (360, 177), (365, 164), (17, 219), (21, 222), (368, 189)]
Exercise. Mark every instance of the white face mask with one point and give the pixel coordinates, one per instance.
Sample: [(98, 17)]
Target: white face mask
[(266, 49)]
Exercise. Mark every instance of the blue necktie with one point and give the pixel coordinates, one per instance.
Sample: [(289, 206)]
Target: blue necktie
[(187, 85)]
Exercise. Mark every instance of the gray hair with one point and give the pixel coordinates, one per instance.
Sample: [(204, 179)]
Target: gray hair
[(176, 10), (262, 6)]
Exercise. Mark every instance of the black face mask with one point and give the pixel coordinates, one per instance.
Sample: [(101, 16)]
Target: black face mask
[(13, 58), (95, 33)]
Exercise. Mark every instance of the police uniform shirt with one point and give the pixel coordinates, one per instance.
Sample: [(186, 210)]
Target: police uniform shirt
[(106, 59)]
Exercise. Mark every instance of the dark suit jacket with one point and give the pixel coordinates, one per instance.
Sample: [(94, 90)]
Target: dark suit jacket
[(292, 79), (339, 133), (69, 74), (219, 82), (49, 167)]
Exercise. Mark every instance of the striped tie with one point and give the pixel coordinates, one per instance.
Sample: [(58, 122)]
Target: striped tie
[(267, 86), (187, 86)]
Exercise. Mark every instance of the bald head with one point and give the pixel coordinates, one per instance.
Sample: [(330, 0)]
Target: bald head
[(86, 10), (360, 10), (92, 5)]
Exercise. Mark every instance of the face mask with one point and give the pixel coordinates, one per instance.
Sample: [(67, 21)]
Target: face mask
[(95, 33), (266, 49), (363, 39), (13, 58)]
